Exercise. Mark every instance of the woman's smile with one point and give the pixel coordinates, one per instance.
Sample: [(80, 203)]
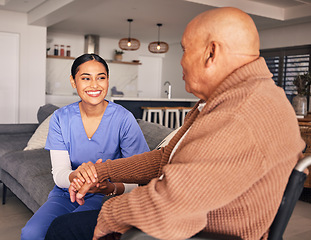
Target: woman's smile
[(93, 93)]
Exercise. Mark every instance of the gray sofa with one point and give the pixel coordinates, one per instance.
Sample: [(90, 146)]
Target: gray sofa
[(28, 173)]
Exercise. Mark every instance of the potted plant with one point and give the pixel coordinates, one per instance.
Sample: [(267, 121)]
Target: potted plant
[(302, 83), (118, 55)]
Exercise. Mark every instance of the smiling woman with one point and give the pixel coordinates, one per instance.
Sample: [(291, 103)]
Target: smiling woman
[(88, 131), (91, 81)]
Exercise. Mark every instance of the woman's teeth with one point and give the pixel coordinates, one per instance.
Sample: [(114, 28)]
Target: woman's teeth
[(93, 93)]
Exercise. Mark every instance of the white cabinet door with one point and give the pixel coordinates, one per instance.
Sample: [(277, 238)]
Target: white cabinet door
[(9, 77), (149, 77)]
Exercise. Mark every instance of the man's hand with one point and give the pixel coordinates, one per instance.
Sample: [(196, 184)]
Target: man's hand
[(112, 236), (102, 232), (98, 234)]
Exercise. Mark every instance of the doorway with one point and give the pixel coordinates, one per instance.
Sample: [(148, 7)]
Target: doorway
[(9, 80)]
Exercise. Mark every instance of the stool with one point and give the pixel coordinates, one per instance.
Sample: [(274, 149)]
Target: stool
[(157, 112), (184, 111), (174, 111)]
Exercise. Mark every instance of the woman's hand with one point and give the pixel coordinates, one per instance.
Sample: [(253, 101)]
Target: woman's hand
[(77, 193), (75, 196), (86, 172)]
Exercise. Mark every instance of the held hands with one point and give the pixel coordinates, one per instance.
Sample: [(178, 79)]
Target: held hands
[(84, 179), (78, 192), (85, 173)]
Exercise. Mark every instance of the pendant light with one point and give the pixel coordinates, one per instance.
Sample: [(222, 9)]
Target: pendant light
[(158, 47), (129, 44)]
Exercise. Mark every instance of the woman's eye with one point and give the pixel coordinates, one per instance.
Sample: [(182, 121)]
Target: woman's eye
[(101, 78), (85, 78)]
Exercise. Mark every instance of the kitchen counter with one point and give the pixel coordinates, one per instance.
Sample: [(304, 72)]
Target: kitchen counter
[(134, 104)]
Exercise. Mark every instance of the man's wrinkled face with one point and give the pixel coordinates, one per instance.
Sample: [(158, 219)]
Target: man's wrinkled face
[(192, 63)]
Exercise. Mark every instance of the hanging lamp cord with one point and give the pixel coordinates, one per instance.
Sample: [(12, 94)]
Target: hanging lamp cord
[(159, 25), (129, 20)]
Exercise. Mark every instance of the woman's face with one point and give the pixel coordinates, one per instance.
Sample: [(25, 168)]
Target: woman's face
[(91, 82)]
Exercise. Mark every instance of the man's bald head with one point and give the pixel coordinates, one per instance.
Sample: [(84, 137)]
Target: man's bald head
[(230, 26), (215, 44)]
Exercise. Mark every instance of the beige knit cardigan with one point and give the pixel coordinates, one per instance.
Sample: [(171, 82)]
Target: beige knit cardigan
[(227, 175)]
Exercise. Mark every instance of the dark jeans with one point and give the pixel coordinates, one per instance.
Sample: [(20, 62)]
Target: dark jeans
[(73, 226), (80, 226)]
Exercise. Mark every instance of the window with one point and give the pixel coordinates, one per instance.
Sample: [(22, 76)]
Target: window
[(286, 63)]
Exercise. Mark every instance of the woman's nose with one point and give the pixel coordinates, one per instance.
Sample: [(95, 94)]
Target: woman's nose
[(94, 83)]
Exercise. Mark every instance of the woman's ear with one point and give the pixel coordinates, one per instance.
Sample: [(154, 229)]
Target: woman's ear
[(73, 82)]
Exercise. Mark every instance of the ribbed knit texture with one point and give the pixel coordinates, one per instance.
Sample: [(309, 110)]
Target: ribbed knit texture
[(228, 174)]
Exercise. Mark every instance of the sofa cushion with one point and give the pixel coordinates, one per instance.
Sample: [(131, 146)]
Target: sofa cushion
[(45, 111), (17, 128), (154, 133), (13, 142), (19, 191), (32, 169), (38, 139)]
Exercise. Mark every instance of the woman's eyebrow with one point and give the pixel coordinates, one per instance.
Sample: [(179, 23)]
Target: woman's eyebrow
[(90, 74), (85, 74)]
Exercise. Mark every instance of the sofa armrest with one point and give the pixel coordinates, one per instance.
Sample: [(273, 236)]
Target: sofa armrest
[(18, 128)]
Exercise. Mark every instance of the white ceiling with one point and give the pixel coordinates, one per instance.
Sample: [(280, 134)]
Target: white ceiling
[(108, 18)]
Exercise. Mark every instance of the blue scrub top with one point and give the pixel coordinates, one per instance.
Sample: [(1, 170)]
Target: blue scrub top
[(117, 136)]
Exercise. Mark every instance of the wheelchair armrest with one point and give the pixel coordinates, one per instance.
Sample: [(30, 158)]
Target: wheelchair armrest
[(136, 234)]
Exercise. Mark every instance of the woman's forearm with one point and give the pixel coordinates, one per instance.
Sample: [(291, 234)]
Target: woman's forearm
[(61, 168)]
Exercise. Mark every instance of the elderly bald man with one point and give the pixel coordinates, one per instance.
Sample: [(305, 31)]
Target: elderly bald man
[(226, 169)]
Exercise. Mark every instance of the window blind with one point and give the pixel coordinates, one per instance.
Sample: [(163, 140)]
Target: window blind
[(286, 64)]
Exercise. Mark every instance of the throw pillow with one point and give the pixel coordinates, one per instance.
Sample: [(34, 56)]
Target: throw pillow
[(168, 138), (45, 111), (38, 139)]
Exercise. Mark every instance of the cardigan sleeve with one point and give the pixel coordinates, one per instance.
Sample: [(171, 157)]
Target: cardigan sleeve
[(138, 169)]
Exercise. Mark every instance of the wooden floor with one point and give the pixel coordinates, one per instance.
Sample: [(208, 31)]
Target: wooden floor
[(14, 215)]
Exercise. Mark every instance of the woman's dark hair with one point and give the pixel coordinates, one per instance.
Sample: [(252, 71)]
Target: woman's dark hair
[(85, 58)]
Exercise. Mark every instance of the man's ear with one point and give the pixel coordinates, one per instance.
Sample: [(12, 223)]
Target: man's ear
[(210, 53), (73, 82)]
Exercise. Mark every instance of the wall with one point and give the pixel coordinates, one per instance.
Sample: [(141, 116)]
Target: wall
[(76, 42), (294, 35), (172, 72), (32, 63)]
